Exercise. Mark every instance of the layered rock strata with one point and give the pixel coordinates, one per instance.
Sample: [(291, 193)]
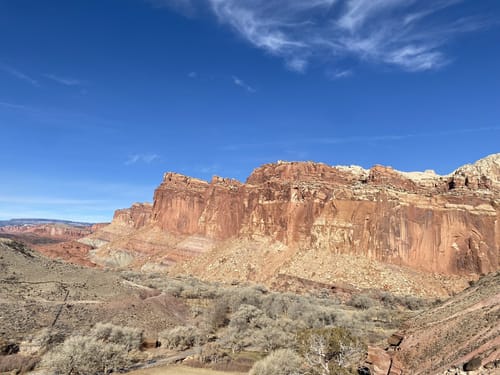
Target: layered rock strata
[(376, 228), (444, 224)]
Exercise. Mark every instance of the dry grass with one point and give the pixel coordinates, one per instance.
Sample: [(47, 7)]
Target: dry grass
[(18, 363), (181, 370)]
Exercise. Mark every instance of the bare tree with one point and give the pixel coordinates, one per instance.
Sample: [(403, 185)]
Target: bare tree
[(83, 355), (329, 351)]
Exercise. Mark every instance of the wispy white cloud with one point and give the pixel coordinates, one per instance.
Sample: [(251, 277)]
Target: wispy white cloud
[(192, 75), (63, 80), (142, 158), (358, 12), (338, 74), (239, 82), (297, 64), (409, 34), (18, 74)]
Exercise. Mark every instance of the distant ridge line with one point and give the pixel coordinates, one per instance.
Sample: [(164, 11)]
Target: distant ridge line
[(37, 221)]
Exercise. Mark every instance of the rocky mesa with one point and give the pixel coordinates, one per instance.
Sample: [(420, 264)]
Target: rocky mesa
[(447, 225)]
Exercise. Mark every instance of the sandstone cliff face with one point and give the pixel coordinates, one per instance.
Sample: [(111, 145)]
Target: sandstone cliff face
[(133, 240), (135, 217), (377, 228), (445, 224)]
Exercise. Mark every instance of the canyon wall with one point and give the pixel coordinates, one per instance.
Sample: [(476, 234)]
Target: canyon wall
[(445, 224)]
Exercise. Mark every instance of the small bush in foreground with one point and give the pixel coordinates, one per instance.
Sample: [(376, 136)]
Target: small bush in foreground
[(130, 338), (413, 303), (280, 362), (361, 301), (212, 353), (83, 355), (181, 337)]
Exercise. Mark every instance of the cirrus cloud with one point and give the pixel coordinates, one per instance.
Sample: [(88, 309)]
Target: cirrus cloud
[(409, 34), (239, 82), (142, 158)]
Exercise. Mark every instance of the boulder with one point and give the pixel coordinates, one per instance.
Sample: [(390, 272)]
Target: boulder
[(473, 364)]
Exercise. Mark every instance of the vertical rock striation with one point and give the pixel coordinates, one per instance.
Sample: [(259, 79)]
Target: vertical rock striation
[(445, 224)]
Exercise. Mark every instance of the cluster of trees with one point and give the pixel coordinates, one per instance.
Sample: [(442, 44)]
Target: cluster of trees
[(323, 351), (105, 349), (298, 334)]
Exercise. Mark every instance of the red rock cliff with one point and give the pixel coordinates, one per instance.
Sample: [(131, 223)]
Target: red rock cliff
[(447, 224), (136, 216)]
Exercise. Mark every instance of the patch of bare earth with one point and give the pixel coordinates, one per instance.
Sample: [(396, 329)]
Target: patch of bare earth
[(38, 293)]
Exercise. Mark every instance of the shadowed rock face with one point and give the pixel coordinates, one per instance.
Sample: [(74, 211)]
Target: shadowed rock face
[(446, 224)]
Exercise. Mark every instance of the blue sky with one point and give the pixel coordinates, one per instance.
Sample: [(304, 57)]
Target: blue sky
[(98, 98)]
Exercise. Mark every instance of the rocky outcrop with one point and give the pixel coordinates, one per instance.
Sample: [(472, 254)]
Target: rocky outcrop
[(381, 362), (125, 222), (445, 224), (189, 206), (135, 217), (132, 240)]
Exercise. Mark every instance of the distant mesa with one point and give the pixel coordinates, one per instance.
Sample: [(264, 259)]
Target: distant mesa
[(54, 238), (12, 222)]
